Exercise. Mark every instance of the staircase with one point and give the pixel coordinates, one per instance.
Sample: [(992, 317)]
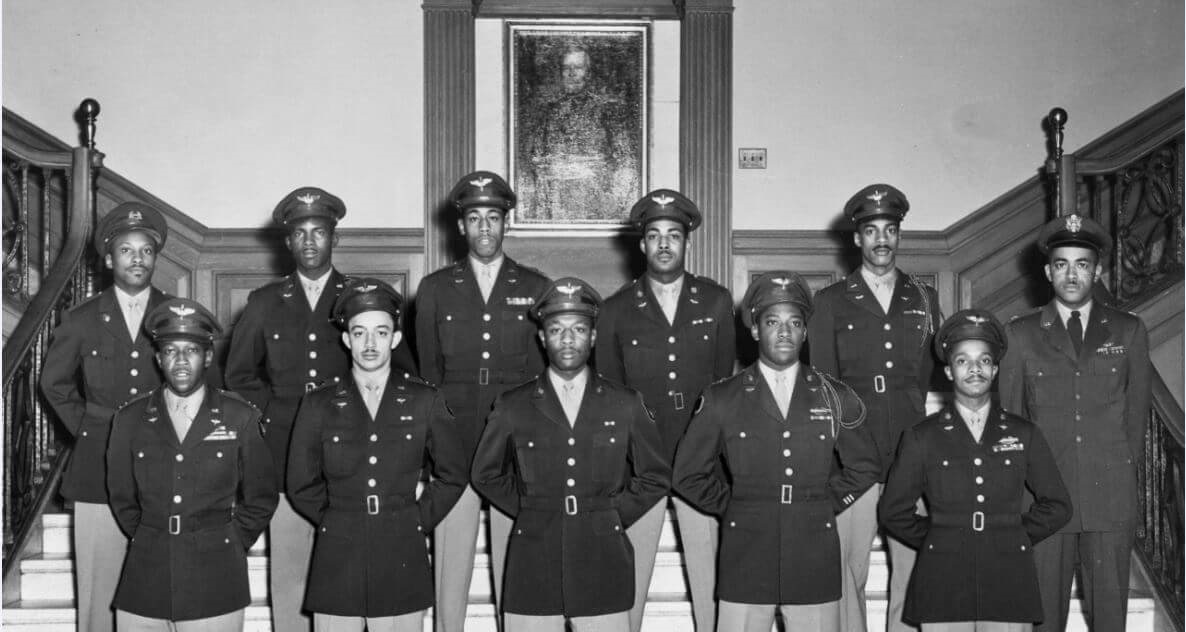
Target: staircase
[(46, 596)]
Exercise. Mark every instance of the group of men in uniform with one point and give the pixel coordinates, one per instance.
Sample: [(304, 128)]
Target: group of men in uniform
[(577, 418)]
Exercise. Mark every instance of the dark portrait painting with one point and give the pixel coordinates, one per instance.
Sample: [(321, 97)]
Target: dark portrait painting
[(578, 101)]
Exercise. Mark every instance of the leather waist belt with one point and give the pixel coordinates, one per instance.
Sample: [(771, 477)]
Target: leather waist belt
[(296, 390), (977, 520), (485, 376), (780, 494), (879, 383), (372, 504), (570, 505), (177, 524), (95, 410)]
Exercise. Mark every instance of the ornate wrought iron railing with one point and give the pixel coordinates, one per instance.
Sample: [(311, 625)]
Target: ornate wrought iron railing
[(1160, 527), (1138, 195), (49, 213)]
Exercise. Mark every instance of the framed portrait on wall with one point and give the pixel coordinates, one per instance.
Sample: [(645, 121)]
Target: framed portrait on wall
[(578, 107)]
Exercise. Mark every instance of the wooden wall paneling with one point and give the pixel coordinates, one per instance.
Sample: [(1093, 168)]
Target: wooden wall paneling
[(449, 136)]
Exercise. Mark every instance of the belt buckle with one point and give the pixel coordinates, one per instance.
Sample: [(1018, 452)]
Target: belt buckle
[(483, 376), (788, 492), (679, 400), (175, 524), (570, 505), (878, 383), (978, 521), (373, 504), (310, 386)]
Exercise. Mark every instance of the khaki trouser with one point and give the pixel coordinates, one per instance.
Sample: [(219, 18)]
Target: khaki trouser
[(977, 626), (410, 622), (290, 547), (99, 549), (455, 541), (747, 617), (613, 622)]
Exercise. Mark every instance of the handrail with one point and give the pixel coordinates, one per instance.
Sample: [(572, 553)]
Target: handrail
[(33, 457)]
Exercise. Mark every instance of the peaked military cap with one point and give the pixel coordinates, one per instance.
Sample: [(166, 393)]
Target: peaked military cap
[(971, 324), (877, 200), (307, 202), (482, 188), (127, 217), (182, 318), (665, 204), (367, 295), (1074, 230), (773, 288), (568, 295)]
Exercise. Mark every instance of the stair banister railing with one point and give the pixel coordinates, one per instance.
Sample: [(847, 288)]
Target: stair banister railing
[(1138, 196), (33, 453)]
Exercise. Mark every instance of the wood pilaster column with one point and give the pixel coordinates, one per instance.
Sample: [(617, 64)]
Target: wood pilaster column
[(706, 131), (448, 116)]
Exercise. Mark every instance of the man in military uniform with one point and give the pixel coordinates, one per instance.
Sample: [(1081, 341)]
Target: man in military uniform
[(669, 334), (873, 330), (475, 340), (191, 484), (973, 463), (98, 359), (575, 459), (781, 428), (357, 452), (1080, 370), (283, 346)]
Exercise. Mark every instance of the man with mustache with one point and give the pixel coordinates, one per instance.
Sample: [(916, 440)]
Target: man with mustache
[(973, 463), (575, 459), (476, 340), (873, 330), (1080, 371), (99, 358), (358, 450), (669, 334), (191, 484), (795, 451), (283, 346)]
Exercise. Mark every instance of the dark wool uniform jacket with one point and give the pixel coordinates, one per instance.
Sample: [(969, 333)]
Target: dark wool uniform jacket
[(1094, 409), (280, 349), (669, 363), (975, 549), (91, 368), (573, 491), (885, 357), (191, 508), (474, 351), (786, 480), (355, 478)]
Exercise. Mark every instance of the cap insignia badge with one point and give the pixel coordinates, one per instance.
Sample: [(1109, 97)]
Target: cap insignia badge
[(367, 288), (876, 196), (308, 198), (1074, 223), (782, 282), (182, 310), (977, 320), (136, 215), (662, 200), (568, 289), (481, 183)]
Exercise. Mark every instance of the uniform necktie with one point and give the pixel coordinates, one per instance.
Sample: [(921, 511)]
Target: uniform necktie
[(568, 400), (370, 396), (1075, 329), (883, 291), (976, 425), (181, 419), (668, 301), (312, 292), (133, 315), (486, 282), (782, 393)]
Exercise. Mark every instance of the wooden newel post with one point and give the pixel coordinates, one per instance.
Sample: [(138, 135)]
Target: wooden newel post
[(89, 110), (1062, 166)]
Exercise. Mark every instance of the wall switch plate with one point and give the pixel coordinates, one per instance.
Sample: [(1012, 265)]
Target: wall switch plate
[(751, 158)]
